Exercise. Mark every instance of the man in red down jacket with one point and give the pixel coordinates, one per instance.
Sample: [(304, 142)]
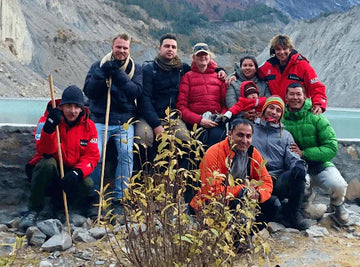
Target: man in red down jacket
[(80, 154), (202, 93), (287, 66)]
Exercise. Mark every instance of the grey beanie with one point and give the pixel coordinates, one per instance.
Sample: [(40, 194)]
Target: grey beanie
[(72, 95)]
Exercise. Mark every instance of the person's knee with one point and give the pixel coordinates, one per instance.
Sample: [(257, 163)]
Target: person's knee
[(143, 134)]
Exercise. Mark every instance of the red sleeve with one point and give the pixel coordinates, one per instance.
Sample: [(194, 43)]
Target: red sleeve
[(89, 159), (182, 102), (315, 89), (259, 172)]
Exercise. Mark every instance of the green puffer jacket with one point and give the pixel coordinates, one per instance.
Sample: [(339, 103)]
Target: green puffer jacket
[(313, 134)]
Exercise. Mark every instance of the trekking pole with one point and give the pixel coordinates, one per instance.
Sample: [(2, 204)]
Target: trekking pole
[(60, 155), (108, 102)]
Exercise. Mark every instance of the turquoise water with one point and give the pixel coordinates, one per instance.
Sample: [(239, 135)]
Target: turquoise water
[(345, 121)]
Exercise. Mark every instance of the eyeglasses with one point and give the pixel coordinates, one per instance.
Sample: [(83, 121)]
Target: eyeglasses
[(201, 47)]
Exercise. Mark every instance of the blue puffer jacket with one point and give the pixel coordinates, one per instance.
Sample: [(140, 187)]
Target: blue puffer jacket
[(313, 134), (160, 90), (123, 94), (273, 142)]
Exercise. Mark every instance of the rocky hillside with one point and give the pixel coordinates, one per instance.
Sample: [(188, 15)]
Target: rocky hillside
[(63, 38)]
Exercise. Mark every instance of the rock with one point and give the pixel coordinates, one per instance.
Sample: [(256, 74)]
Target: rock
[(57, 242), (34, 236), (45, 263), (276, 227), (50, 227), (97, 232), (77, 219), (316, 231), (85, 255), (82, 235), (353, 190), (315, 211), (3, 228)]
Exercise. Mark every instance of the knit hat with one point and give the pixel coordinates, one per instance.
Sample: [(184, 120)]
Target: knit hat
[(72, 95), (276, 100), (251, 88), (201, 47)]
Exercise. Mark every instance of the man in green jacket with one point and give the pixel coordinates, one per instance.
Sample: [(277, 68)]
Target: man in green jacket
[(316, 143)]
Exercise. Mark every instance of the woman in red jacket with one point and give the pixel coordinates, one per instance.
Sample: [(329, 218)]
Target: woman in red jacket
[(202, 95), (287, 66)]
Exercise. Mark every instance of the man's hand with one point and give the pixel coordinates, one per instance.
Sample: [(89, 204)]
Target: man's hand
[(158, 130), (317, 110), (224, 118), (222, 75), (109, 66), (250, 114), (294, 148), (231, 78), (52, 120), (254, 194), (207, 123), (71, 179)]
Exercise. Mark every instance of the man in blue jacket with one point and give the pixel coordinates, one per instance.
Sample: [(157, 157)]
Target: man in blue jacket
[(286, 168), (118, 69)]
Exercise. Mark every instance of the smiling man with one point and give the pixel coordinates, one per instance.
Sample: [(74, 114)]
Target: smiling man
[(236, 156), (316, 143), (118, 69), (79, 151), (286, 168)]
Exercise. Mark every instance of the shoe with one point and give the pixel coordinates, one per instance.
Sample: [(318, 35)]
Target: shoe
[(341, 215), (296, 221), (29, 219)]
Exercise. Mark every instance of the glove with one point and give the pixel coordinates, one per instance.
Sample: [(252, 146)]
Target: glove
[(109, 66), (227, 116), (53, 119), (299, 170), (71, 179)]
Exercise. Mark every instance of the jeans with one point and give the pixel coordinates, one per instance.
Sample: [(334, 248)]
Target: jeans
[(332, 182), (124, 140)]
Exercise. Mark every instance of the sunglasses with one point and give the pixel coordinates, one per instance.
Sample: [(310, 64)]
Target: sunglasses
[(201, 47)]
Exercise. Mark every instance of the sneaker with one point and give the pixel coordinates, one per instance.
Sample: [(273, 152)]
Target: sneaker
[(341, 215), (29, 219)]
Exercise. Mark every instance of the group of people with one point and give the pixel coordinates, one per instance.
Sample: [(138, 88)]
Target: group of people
[(274, 113)]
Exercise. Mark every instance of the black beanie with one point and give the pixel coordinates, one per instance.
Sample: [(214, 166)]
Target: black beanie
[(72, 95)]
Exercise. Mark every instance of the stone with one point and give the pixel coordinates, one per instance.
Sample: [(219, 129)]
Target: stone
[(3, 228), (353, 189), (57, 242), (85, 255), (77, 219), (97, 232), (82, 235), (315, 211), (50, 227), (45, 263), (316, 231), (276, 227), (34, 236)]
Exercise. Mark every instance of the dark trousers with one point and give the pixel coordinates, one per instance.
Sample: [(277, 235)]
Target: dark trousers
[(46, 182)]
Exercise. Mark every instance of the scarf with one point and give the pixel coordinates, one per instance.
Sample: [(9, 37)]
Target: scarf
[(168, 65), (129, 69), (239, 165)]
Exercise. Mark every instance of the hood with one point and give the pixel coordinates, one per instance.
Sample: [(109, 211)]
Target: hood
[(245, 83)]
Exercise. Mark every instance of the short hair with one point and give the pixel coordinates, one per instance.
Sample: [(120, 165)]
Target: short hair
[(294, 85), (251, 58), (167, 36), (123, 36), (239, 121), (280, 40)]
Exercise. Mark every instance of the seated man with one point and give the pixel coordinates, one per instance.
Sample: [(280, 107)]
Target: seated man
[(286, 168), (245, 162), (316, 143), (80, 154)]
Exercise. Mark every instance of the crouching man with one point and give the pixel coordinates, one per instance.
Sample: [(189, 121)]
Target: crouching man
[(316, 143), (80, 155), (246, 162)]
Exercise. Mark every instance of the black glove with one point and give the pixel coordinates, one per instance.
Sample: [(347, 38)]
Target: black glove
[(299, 170), (71, 179), (109, 66), (52, 120)]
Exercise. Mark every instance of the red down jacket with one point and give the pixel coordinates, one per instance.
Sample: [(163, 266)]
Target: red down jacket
[(79, 144), (201, 92)]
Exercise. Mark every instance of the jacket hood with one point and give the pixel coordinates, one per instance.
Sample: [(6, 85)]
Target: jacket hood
[(246, 83), (210, 68), (297, 115)]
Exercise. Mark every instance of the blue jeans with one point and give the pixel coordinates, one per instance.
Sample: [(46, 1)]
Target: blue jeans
[(124, 140)]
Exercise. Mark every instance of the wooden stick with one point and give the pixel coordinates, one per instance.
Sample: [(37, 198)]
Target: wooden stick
[(101, 193), (61, 164)]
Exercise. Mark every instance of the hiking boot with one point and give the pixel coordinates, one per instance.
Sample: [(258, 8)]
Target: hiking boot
[(341, 215), (29, 219), (298, 222)]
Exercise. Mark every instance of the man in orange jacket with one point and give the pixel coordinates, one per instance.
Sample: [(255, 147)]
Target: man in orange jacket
[(236, 156)]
